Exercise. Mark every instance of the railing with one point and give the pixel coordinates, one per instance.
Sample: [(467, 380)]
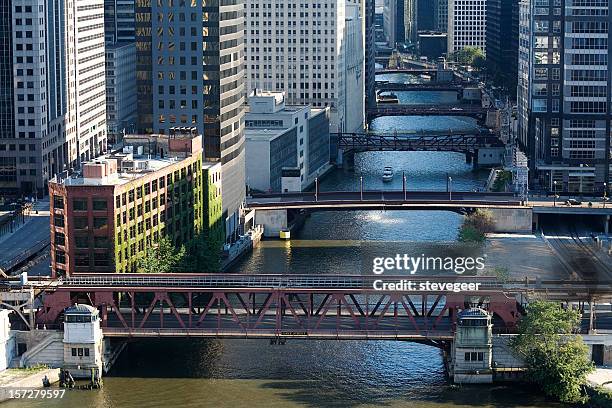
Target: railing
[(260, 281)]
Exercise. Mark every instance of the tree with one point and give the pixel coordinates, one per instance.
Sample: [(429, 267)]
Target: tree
[(556, 357), (469, 56), (476, 225), (203, 255), (162, 257)]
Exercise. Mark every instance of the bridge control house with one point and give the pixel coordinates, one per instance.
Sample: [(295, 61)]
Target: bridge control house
[(105, 216)]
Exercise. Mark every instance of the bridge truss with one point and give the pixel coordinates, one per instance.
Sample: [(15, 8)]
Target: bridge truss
[(313, 312), (459, 142)]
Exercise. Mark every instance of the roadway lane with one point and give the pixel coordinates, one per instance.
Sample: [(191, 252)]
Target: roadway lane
[(31, 238), (393, 195)]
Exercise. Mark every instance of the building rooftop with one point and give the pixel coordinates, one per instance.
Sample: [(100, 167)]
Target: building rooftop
[(79, 308), (263, 134), (141, 156)]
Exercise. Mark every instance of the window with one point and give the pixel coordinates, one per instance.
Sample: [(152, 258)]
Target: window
[(79, 204), (58, 201), (60, 257), (100, 242), (86, 352), (99, 205), (474, 356), (58, 220), (80, 223), (74, 352), (81, 242), (100, 222), (60, 239)]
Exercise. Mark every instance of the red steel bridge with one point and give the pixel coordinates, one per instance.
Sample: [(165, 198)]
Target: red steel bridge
[(273, 306)]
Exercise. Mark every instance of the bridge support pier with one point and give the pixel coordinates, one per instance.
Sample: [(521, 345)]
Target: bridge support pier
[(468, 157), (607, 224), (273, 221), (513, 220)]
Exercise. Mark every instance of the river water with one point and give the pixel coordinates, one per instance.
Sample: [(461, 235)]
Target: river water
[(236, 373)]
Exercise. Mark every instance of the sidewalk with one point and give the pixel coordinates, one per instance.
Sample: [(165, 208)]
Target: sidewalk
[(28, 239), (602, 376), (18, 378)]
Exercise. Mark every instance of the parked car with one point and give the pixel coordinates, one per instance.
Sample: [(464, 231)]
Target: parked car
[(573, 201)]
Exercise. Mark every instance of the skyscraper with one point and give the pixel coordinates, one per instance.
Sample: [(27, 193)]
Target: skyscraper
[(53, 112), (119, 21), (564, 92), (313, 51), (190, 73), (502, 47), (466, 24)]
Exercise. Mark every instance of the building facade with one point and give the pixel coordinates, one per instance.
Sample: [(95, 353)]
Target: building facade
[(190, 72), (120, 89), (370, 54), (276, 130), (119, 21), (104, 219), (311, 50), (564, 93), (442, 15), (400, 20), (51, 116), (502, 47), (466, 24), (426, 15)]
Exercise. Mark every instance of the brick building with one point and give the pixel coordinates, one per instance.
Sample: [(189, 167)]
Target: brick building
[(104, 219)]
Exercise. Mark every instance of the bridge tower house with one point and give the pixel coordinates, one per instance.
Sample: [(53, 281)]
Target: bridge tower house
[(83, 341), (472, 348)]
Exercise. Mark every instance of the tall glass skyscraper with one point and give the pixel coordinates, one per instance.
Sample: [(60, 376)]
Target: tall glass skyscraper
[(190, 73)]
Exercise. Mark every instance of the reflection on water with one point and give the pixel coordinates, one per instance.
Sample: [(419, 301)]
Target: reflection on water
[(234, 373), (212, 373)]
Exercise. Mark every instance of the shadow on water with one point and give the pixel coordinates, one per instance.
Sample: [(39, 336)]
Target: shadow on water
[(311, 373)]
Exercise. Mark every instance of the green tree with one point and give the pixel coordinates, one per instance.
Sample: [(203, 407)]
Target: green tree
[(162, 257), (203, 255), (556, 357), (476, 225), (469, 56)]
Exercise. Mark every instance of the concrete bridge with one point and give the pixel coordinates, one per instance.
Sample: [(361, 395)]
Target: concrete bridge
[(474, 111), (280, 211)]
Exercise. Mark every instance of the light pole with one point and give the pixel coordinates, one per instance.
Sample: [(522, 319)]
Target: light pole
[(555, 193), (404, 184), (605, 194), (361, 188), (450, 188), (316, 189)]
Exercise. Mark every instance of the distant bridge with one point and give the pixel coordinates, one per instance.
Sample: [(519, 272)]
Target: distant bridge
[(460, 201), (427, 110), (440, 142), (391, 86), (415, 71)]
